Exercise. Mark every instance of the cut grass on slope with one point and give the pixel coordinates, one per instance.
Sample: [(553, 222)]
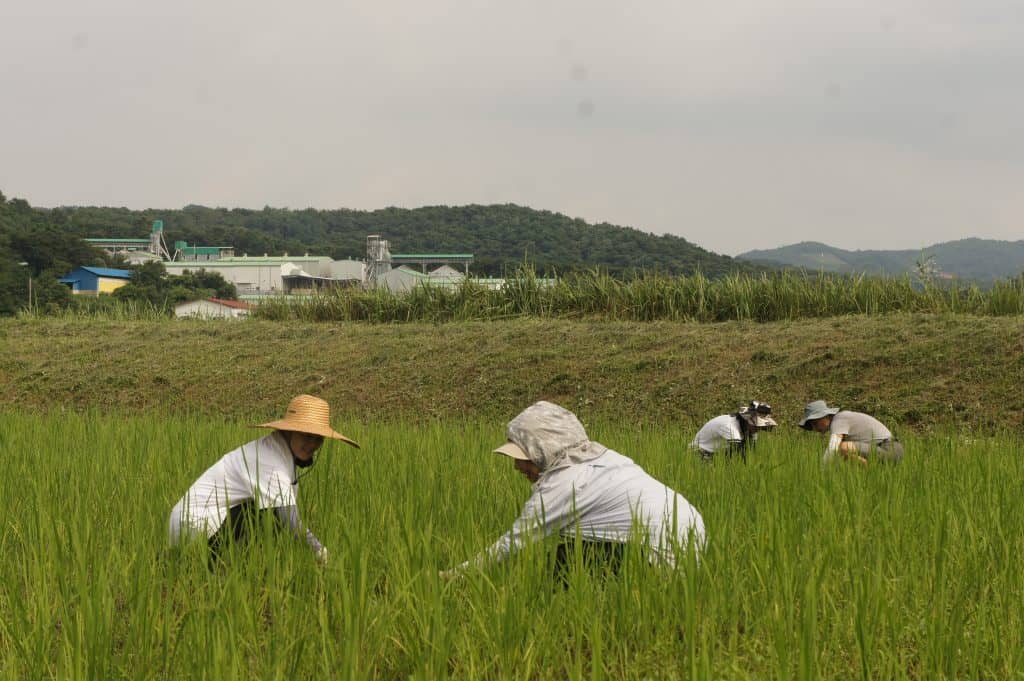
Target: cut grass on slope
[(920, 372)]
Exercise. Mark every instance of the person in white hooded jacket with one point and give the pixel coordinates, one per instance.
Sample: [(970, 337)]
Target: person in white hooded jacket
[(583, 489)]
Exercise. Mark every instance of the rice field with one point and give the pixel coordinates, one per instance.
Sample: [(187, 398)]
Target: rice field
[(810, 572)]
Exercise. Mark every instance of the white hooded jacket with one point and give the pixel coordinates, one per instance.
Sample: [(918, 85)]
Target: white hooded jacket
[(586, 487)]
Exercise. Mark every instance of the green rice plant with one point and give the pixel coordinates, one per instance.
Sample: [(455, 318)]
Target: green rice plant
[(810, 571)]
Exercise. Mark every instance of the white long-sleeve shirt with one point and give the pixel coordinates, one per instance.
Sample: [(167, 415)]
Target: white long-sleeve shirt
[(721, 431), (261, 471), (606, 498)]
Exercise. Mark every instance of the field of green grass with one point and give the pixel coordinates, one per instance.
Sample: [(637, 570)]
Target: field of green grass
[(810, 572), (927, 373)]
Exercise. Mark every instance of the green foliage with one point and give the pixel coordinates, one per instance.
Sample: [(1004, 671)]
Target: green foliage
[(907, 572), (648, 297), (49, 295), (112, 308), (13, 281), (205, 281), (500, 236), (150, 284), (48, 252)]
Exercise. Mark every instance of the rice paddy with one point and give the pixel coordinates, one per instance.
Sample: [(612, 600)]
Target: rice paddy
[(810, 572)]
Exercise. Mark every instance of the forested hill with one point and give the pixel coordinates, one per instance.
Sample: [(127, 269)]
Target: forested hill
[(980, 260), (498, 236)]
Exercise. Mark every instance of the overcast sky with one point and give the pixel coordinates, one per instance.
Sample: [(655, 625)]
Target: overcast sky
[(735, 124)]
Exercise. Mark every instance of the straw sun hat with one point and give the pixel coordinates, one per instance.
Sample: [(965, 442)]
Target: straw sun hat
[(308, 414)]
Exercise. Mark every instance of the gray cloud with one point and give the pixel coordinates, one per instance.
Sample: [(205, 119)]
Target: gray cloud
[(737, 125)]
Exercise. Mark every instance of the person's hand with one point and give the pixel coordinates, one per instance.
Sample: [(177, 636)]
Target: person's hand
[(853, 455), (448, 575), (321, 556)]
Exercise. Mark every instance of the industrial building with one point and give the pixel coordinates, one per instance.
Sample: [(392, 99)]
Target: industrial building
[(92, 281), (184, 252), (136, 251), (273, 275), (260, 276), (401, 279), (392, 271), (426, 261), (213, 308)]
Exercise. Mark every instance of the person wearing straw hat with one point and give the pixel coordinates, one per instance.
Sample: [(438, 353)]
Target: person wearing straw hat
[(733, 433), (584, 490), (225, 503), (852, 435)]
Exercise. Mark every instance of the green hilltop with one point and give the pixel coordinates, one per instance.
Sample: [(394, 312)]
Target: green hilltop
[(499, 236)]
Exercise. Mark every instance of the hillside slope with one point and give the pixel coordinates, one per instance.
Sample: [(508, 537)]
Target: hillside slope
[(498, 236), (981, 260), (917, 372)]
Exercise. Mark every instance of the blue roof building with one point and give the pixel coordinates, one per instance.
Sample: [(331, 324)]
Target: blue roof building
[(96, 280)]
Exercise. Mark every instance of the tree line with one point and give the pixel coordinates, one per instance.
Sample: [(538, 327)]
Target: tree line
[(501, 238), (498, 236), (35, 253)]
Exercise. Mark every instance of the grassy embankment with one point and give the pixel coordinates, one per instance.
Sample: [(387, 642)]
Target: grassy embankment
[(917, 372)]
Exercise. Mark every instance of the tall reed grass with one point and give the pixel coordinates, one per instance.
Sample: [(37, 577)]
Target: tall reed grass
[(104, 307), (594, 294), (597, 295), (906, 572)]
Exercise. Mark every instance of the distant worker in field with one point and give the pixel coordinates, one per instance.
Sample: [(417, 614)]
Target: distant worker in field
[(733, 433), (227, 503), (853, 436), (584, 489)]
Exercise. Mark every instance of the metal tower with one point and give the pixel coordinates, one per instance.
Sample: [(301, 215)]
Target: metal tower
[(378, 259), (157, 245)]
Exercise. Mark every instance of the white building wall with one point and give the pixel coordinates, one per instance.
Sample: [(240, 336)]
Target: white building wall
[(247, 279), (446, 272), (348, 270), (206, 309), (400, 279), (264, 277)]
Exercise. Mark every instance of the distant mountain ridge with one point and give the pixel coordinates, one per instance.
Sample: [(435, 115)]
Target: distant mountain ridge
[(979, 260)]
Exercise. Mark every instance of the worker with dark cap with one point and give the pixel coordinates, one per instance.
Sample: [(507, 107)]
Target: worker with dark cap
[(733, 433)]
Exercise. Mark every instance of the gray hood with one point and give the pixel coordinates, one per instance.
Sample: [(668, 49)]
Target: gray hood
[(552, 437)]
